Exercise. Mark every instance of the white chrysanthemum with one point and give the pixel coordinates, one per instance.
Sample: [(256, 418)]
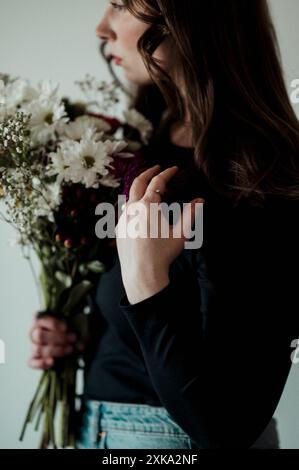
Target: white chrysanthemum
[(88, 162), (46, 116), (84, 127), (15, 95), (48, 90), (116, 148), (20, 92), (49, 201), (60, 162), (110, 181), (54, 195), (81, 162), (136, 120)]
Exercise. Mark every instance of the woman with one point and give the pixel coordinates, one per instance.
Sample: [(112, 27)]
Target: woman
[(193, 346)]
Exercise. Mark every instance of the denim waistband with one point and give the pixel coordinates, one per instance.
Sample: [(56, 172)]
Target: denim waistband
[(132, 417)]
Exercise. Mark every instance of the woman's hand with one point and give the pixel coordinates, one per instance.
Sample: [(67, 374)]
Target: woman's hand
[(145, 260), (51, 339)]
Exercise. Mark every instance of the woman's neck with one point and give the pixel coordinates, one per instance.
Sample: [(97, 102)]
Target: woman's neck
[(180, 134)]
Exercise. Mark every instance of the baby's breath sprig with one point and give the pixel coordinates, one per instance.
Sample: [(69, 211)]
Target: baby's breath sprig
[(14, 139), (101, 94)]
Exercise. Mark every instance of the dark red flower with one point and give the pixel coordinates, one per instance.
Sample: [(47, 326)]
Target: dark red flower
[(128, 169)]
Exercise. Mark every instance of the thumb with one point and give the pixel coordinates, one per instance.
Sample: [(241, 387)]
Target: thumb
[(184, 225)]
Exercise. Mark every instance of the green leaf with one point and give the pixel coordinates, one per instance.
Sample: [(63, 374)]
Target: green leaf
[(46, 251), (96, 267), (93, 266), (64, 279), (83, 269), (76, 295)]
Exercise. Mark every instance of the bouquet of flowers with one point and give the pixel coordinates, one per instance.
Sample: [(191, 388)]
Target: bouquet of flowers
[(58, 161)]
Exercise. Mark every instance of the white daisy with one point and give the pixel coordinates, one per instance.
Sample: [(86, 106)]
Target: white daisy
[(84, 127), (45, 206), (48, 90), (21, 92), (110, 181), (90, 160), (17, 94), (115, 147), (80, 162), (60, 162), (49, 201), (45, 118)]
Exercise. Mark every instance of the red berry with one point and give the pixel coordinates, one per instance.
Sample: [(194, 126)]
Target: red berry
[(68, 243), (74, 213)]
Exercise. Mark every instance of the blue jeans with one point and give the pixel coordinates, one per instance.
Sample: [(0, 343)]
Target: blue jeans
[(110, 425)]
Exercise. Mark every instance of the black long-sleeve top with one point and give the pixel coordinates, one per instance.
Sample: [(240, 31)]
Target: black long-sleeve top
[(214, 346)]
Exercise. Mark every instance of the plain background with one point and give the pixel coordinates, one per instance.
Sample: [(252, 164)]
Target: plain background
[(56, 39)]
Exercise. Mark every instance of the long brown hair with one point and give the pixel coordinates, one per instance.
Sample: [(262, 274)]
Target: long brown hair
[(245, 131)]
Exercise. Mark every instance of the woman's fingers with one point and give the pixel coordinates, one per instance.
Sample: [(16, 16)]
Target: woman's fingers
[(140, 183), (43, 337), (51, 351), (160, 182), (51, 339), (41, 363), (145, 185), (51, 323)]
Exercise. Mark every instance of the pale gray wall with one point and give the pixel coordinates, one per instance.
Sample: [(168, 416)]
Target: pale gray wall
[(56, 39)]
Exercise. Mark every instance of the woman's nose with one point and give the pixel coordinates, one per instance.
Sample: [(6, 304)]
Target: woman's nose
[(104, 30)]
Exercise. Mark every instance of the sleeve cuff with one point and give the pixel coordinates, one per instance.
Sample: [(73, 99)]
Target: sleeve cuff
[(160, 299)]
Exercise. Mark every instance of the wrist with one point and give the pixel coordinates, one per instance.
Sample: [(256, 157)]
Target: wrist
[(140, 287)]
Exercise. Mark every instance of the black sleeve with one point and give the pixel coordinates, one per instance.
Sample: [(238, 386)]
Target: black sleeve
[(218, 347)]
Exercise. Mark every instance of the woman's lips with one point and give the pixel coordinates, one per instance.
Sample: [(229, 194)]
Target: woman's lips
[(117, 60)]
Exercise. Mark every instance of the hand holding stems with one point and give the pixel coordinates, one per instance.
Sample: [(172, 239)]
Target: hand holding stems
[(51, 339)]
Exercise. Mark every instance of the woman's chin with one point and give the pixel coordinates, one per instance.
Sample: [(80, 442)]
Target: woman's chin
[(138, 80)]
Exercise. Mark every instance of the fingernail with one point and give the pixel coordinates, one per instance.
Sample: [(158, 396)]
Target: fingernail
[(199, 201)]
